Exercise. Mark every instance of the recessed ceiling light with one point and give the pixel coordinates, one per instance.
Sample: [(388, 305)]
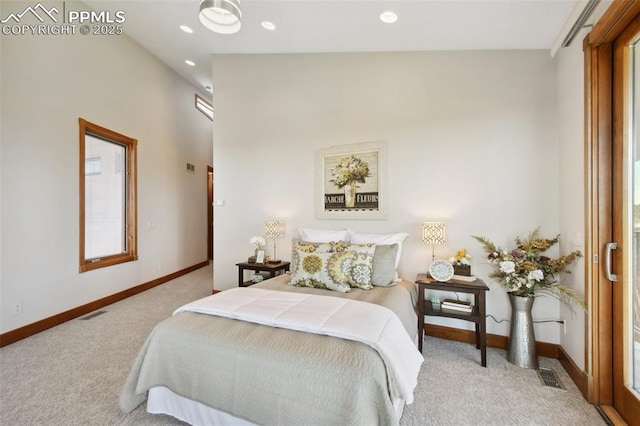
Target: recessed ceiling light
[(268, 25), (186, 29), (388, 17), (188, 62), (208, 89)]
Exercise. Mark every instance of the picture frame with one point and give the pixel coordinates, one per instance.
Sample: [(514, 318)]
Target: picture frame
[(351, 181), (260, 256)]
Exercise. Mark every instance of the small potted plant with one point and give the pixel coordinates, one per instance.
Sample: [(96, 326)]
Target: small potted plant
[(435, 303), (461, 263)]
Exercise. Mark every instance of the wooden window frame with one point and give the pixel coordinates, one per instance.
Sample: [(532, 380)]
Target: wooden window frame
[(131, 144)]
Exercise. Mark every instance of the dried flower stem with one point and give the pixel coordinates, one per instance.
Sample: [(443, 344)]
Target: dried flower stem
[(524, 270)]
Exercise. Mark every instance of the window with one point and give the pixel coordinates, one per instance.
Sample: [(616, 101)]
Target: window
[(108, 232), (204, 107)]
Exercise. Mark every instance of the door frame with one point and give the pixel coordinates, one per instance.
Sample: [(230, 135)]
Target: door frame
[(600, 137), (209, 212)]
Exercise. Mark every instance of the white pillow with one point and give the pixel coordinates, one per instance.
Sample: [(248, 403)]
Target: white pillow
[(312, 235), (386, 239)]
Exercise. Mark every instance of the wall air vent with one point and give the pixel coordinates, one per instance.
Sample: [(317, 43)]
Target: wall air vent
[(191, 168)]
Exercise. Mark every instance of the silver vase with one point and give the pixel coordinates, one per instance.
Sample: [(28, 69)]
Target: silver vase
[(522, 340)]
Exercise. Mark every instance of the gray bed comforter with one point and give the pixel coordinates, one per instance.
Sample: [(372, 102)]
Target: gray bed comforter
[(272, 376)]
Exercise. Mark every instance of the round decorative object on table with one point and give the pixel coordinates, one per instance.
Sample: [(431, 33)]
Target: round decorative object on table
[(441, 270), (522, 340)]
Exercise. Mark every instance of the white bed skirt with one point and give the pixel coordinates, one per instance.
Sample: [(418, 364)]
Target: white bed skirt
[(163, 401)]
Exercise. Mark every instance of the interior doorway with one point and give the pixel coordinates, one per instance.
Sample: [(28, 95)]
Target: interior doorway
[(210, 212)]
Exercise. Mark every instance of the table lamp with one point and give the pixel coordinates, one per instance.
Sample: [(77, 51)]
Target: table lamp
[(433, 233), (274, 229)]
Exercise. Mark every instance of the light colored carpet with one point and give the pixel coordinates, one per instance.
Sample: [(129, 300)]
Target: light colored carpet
[(73, 374), (453, 389)]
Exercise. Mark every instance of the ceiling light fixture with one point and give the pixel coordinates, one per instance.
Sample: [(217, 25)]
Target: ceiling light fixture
[(188, 62), (221, 16), (388, 17), (186, 29), (208, 89), (268, 25)]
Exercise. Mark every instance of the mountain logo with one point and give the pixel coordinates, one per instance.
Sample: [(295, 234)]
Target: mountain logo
[(38, 11)]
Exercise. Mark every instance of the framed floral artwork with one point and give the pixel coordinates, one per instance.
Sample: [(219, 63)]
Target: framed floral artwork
[(350, 181)]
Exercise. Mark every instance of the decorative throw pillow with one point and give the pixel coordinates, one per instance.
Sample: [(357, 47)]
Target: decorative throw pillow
[(397, 238), (322, 270), (339, 266), (384, 270), (307, 247), (338, 246), (362, 265)]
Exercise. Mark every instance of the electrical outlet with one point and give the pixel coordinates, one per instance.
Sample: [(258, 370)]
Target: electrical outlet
[(17, 308)]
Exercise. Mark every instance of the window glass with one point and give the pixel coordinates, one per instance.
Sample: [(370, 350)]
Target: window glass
[(107, 194), (204, 107)]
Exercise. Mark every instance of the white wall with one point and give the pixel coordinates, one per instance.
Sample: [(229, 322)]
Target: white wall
[(570, 87), (47, 83), (472, 140)]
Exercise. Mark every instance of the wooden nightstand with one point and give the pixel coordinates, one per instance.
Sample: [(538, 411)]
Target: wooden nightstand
[(272, 268), (478, 315)]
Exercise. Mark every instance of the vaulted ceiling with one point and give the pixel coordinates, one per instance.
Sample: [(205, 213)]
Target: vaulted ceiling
[(340, 26)]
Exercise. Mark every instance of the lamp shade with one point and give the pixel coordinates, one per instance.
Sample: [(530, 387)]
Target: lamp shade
[(221, 16), (273, 228), (433, 232)]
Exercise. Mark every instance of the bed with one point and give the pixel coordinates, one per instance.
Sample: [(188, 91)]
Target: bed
[(206, 369)]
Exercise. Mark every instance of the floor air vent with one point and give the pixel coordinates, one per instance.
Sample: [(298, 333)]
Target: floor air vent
[(93, 315), (548, 377)]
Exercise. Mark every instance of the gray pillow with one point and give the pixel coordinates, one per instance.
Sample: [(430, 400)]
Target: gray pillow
[(384, 265)]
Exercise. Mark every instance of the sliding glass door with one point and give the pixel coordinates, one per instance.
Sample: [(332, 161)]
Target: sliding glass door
[(626, 222), (634, 282), (612, 94)]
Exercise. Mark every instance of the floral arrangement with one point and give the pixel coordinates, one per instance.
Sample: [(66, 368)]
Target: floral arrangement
[(462, 258), (349, 170), (257, 242), (524, 270)]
